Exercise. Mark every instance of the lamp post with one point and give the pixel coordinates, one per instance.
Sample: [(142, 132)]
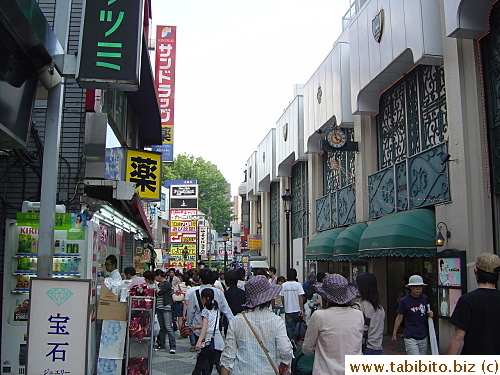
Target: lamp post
[(185, 254), (287, 203), (226, 236)]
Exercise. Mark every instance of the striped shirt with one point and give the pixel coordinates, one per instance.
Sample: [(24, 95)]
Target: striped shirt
[(242, 354)]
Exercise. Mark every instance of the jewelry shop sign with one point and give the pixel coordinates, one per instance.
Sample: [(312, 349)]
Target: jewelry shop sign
[(58, 326)]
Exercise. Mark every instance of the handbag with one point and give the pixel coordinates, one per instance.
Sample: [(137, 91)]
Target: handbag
[(184, 332), (178, 295), (266, 352), (208, 343), (366, 326)]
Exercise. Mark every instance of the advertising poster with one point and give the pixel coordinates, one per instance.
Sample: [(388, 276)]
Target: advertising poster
[(449, 272), (183, 256)]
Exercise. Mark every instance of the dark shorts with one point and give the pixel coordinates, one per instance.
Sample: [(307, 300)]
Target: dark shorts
[(178, 306)]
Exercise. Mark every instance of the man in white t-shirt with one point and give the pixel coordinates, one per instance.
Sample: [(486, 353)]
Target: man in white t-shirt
[(293, 302)]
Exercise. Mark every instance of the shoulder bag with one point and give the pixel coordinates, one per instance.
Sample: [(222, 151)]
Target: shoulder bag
[(178, 295), (208, 343), (266, 352)]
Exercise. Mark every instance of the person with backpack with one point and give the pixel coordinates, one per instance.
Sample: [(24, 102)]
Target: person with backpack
[(195, 307), (209, 357)]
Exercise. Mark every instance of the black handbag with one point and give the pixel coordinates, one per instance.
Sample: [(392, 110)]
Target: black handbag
[(208, 344)]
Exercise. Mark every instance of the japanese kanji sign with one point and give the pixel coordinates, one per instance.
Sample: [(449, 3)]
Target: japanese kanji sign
[(110, 48), (144, 169), (58, 326)]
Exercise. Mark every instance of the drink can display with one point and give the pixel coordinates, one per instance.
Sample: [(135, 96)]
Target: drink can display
[(69, 248), (76, 248)]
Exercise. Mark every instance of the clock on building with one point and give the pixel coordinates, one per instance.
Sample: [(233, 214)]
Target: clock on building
[(336, 138)]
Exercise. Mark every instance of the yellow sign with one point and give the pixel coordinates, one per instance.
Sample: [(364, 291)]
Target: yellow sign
[(254, 241), (144, 169), (167, 134)]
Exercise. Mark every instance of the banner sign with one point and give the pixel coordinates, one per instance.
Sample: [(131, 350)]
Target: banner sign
[(254, 241), (203, 241), (144, 169), (110, 49), (58, 326), (183, 214), (165, 85), (183, 191), (184, 203), (176, 237), (178, 259)]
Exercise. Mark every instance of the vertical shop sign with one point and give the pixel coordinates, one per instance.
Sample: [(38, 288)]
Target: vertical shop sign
[(144, 169), (58, 326), (110, 48), (203, 237), (165, 85)]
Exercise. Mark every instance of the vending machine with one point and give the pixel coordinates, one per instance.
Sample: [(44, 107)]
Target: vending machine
[(74, 256)]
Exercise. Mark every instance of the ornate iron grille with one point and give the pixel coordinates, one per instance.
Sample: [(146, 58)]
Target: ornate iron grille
[(275, 213), (418, 181), (491, 64), (299, 191), (338, 206), (412, 115)]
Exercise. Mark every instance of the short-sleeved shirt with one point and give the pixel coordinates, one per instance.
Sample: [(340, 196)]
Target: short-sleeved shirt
[(291, 290), (414, 311), (477, 313)]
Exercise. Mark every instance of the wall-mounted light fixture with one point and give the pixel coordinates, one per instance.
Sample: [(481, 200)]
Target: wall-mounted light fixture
[(439, 240)]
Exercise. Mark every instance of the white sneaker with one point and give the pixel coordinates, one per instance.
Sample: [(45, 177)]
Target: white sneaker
[(172, 351)]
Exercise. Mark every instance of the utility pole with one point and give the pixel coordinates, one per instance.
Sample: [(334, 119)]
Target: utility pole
[(52, 138)]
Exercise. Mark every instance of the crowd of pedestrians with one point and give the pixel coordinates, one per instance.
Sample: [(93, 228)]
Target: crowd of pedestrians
[(280, 326)]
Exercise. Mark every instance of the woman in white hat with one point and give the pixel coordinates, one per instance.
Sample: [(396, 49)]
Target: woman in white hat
[(336, 331), (243, 354), (413, 308)]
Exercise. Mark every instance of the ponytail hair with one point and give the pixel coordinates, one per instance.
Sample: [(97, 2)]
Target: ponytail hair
[(210, 302)]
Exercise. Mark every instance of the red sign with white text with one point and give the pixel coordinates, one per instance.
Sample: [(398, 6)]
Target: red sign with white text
[(165, 77)]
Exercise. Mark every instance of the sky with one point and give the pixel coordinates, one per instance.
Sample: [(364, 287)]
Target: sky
[(237, 63)]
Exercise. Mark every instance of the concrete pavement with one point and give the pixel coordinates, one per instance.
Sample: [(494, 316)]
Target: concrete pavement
[(182, 362)]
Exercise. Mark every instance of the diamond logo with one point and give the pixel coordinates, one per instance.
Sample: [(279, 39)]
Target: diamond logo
[(59, 295)]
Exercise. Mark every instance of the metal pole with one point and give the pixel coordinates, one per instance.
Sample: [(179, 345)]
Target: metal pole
[(51, 152), (225, 256), (287, 213)]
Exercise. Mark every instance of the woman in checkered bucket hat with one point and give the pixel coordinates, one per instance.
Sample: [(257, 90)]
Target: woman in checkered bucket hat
[(243, 351), (336, 331)]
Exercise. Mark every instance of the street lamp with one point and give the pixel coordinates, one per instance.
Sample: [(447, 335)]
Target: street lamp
[(287, 203), (226, 236), (185, 254)]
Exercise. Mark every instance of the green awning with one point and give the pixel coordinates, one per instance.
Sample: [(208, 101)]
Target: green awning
[(347, 243), (321, 246), (406, 233)]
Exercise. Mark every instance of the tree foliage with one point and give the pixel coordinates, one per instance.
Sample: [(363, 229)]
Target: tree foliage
[(213, 189)]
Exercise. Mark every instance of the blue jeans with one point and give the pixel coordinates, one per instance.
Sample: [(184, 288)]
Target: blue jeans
[(278, 310), (369, 351), (291, 320), (165, 321)]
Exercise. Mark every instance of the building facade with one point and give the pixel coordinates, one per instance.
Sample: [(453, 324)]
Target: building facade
[(391, 142)]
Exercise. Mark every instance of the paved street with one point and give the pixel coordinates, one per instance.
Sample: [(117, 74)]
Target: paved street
[(182, 362)]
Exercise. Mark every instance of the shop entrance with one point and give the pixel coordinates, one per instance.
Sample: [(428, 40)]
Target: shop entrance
[(399, 269)]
